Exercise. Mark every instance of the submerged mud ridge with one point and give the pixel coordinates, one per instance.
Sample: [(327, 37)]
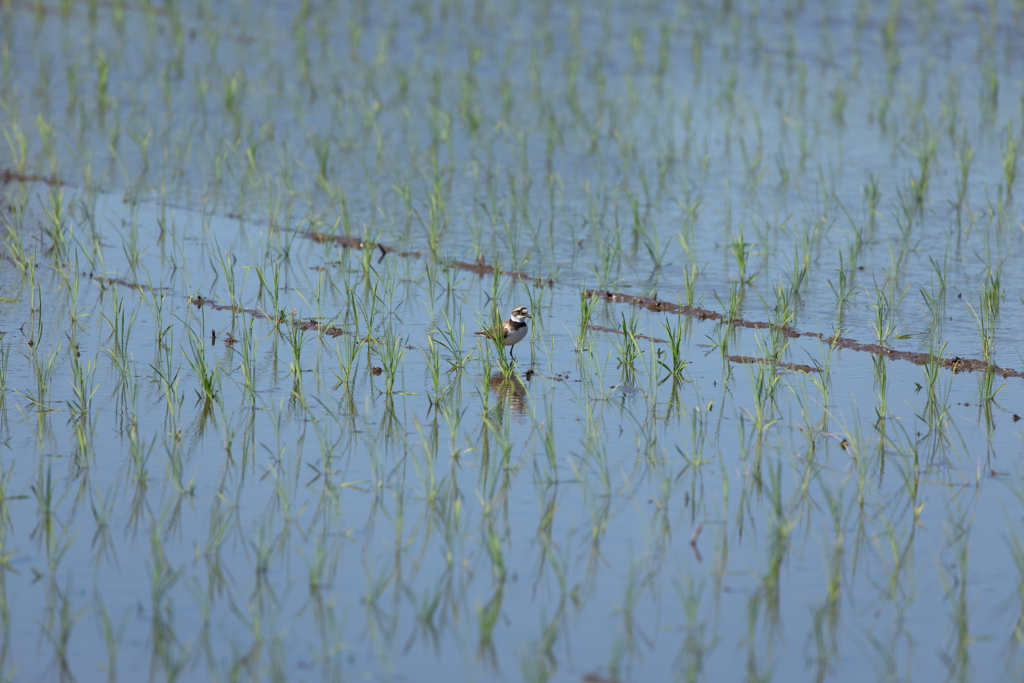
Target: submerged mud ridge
[(798, 367), (479, 268), (8, 176), (120, 282), (954, 363), (304, 324), (199, 301)]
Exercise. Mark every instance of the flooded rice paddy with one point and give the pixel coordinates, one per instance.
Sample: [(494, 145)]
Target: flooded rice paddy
[(765, 424)]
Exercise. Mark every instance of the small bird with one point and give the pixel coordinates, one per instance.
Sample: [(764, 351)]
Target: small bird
[(512, 331)]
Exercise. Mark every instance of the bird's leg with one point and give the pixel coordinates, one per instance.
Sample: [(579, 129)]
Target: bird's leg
[(510, 353)]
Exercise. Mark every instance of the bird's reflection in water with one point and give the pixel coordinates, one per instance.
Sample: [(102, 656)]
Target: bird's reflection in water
[(509, 392)]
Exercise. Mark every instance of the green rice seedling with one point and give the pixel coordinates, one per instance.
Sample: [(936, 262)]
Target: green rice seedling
[(436, 223), (513, 240), (1010, 152), (387, 287), (451, 341), (883, 322), (781, 316), (430, 277), (934, 302), (391, 350), (72, 287), (47, 136), (295, 336), (506, 363), (321, 145), (14, 246), (234, 91), (838, 103), (689, 282), (156, 300), (83, 388), (120, 334), (42, 371), (347, 351), (270, 284), (649, 231), (732, 310), (720, 340), (924, 153), (741, 251), (844, 289), (626, 345), (992, 292), (822, 378), (367, 254), (227, 267), (433, 360), (102, 83), (676, 363), (57, 227), (608, 252), (367, 306), (765, 380), (5, 358), (985, 325), (588, 303), (142, 143), (810, 425), (167, 379), (989, 93), (647, 438), (17, 142), (35, 323), (798, 273), (207, 376)]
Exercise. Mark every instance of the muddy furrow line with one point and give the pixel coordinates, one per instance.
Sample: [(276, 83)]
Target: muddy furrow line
[(955, 363), (798, 367), (305, 325), (199, 301), (8, 176), (479, 268)]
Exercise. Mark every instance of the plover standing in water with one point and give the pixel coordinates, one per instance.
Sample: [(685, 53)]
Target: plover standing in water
[(512, 331)]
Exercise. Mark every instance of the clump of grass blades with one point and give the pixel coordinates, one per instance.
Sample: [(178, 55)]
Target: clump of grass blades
[(451, 341), (626, 345), (207, 376), (587, 305), (676, 363), (391, 349)]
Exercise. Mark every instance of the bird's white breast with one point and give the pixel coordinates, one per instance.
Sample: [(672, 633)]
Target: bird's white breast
[(516, 336)]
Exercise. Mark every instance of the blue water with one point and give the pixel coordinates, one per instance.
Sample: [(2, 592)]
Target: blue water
[(585, 520)]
